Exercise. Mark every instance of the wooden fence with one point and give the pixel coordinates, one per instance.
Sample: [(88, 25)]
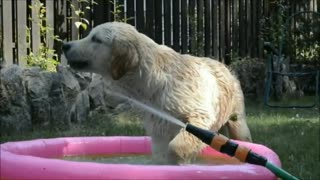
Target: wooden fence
[(215, 28)]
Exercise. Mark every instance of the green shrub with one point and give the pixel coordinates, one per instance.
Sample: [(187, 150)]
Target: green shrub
[(45, 57), (301, 37)]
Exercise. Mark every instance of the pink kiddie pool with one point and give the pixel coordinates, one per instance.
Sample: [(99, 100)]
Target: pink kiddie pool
[(35, 160)]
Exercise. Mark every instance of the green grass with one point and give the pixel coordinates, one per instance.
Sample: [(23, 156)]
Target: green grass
[(292, 133)]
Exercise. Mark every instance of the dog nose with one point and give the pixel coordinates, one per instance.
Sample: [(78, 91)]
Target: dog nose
[(66, 47)]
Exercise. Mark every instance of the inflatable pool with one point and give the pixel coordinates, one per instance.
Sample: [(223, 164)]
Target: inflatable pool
[(35, 160)]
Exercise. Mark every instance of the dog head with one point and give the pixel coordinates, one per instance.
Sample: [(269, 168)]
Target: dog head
[(111, 49)]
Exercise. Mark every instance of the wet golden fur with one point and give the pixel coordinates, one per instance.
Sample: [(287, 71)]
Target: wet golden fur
[(200, 91)]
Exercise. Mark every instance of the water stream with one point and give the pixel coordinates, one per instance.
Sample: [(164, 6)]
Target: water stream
[(149, 108)]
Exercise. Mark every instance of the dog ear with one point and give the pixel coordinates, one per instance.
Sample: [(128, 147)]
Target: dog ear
[(125, 58)]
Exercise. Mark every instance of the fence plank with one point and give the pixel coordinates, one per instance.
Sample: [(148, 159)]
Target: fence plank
[(207, 10), (74, 30), (1, 32), (222, 30), (249, 28), (150, 18), (227, 32), (242, 28), (50, 21), (140, 19), (60, 25), (35, 28), (130, 12), (99, 12), (192, 28), (7, 31), (219, 28), (86, 8), (235, 30), (255, 24), (184, 27), (14, 24), (215, 29), (176, 24), (167, 22), (200, 34), (158, 21), (22, 24)]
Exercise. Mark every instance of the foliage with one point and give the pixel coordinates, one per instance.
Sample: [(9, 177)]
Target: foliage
[(81, 22), (301, 36), (45, 57), (118, 11)]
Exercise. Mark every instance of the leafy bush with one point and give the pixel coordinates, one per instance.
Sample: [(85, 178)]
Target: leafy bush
[(45, 57), (301, 37)]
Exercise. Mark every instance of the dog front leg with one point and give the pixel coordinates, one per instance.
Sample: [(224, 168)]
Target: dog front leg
[(185, 147)]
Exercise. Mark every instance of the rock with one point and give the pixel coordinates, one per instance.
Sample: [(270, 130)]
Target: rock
[(70, 85), (32, 97), (59, 110), (96, 92), (38, 85), (81, 108), (15, 109), (84, 79), (99, 93)]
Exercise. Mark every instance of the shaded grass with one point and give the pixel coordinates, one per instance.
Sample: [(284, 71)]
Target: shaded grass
[(124, 124), (292, 133)]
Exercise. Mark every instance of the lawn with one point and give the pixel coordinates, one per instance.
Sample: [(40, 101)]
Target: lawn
[(292, 133)]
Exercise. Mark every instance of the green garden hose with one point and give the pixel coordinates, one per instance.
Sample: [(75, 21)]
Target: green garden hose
[(244, 154)]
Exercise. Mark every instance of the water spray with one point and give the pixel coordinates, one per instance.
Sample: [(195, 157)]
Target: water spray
[(244, 154)]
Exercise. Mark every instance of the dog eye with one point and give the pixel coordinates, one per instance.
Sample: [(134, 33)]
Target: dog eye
[(96, 40)]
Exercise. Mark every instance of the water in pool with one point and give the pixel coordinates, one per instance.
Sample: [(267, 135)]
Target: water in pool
[(146, 159)]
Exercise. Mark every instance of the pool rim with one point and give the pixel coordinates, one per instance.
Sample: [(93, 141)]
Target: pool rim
[(32, 159)]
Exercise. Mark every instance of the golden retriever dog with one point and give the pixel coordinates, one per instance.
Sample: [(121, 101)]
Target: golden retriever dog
[(200, 91)]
